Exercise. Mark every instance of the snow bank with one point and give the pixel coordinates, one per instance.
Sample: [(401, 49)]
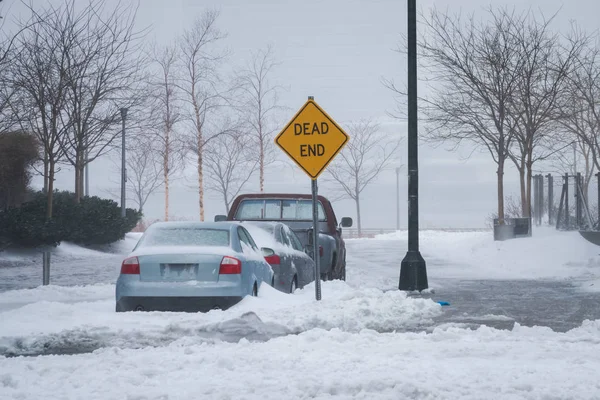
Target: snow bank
[(548, 254), (76, 318), (67, 250), (451, 363)]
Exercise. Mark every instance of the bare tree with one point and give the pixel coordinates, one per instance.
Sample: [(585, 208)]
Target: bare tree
[(366, 155), (145, 170), (535, 106), (38, 72), (229, 164), (473, 70), (199, 84), (581, 109), (167, 109), (8, 48), (260, 101), (103, 70)]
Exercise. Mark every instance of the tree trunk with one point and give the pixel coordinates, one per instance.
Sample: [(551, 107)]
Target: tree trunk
[(500, 174), (523, 188), (78, 176), (226, 201), (358, 224), (166, 175), (262, 164), (81, 181), (529, 176), (45, 171), (50, 192), (200, 178)]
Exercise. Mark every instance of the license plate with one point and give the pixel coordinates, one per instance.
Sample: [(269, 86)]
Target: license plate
[(179, 271)]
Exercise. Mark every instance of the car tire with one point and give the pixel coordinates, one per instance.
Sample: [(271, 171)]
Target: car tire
[(332, 273), (294, 285), (343, 275), (255, 290)]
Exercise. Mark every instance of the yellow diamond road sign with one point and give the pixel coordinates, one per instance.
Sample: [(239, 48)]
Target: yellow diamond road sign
[(312, 139)]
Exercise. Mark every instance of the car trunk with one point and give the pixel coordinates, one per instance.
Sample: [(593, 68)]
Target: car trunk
[(180, 267)]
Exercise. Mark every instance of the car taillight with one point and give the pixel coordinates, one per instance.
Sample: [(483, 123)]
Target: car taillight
[(273, 260), (230, 265), (320, 251), (130, 266)]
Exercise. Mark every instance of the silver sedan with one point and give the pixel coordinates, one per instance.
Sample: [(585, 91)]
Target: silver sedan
[(292, 266), (192, 266)]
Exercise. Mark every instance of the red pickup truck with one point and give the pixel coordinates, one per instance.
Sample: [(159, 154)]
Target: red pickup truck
[(295, 210)]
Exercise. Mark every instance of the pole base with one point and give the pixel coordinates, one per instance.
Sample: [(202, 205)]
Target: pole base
[(413, 272)]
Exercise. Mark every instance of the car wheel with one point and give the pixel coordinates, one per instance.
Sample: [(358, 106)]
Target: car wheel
[(294, 285), (255, 290), (344, 273), (332, 273), (273, 282)]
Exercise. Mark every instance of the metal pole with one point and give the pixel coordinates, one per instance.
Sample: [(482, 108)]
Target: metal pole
[(413, 272), (123, 173), (86, 168), (315, 192), (87, 175), (541, 183), (315, 234), (46, 268), (536, 198), (398, 198), (550, 199), (560, 206), (579, 194), (598, 179), (574, 158), (567, 218)]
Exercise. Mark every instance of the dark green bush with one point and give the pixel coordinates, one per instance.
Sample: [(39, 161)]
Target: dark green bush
[(99, 222), (92, 221)]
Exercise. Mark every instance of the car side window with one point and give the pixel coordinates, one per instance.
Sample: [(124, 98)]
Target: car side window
[(295, 241), (246, 238), (284, 239)]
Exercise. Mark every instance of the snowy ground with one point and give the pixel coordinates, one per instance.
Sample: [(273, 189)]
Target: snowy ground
[(365, 340)]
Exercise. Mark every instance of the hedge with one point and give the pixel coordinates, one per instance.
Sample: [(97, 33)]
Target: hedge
[(92, 221)]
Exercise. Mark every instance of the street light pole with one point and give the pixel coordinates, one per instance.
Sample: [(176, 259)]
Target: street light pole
[(123, 172), (413, 272), (86, 191)]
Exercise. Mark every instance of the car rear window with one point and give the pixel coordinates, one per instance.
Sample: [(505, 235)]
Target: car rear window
[(284, 210), (180, 236)]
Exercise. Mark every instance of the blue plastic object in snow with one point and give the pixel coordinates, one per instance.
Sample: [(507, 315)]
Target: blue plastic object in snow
[(443, 303)]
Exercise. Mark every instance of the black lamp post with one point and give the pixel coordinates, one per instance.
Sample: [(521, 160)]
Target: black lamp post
[(413, 272), (123, 172)]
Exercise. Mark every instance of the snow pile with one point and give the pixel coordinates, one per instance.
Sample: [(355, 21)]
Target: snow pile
[(548, 254), (68, 250), (54, 293), (75, 320), (451, 363)]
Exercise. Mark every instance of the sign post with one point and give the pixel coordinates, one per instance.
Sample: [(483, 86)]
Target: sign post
[(312, 139), (315, 235)]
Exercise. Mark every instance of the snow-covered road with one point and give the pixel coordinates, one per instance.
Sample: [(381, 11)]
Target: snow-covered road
[(365, 340)]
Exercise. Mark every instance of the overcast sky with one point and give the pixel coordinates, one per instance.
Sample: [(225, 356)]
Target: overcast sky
[(338, 51)]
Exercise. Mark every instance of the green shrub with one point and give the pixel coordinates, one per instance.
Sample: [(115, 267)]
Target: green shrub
[(92, 221), (99, 222)]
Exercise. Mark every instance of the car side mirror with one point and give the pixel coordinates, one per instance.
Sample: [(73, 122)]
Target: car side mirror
[(220, 218), (346, 222), (267, 252)]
